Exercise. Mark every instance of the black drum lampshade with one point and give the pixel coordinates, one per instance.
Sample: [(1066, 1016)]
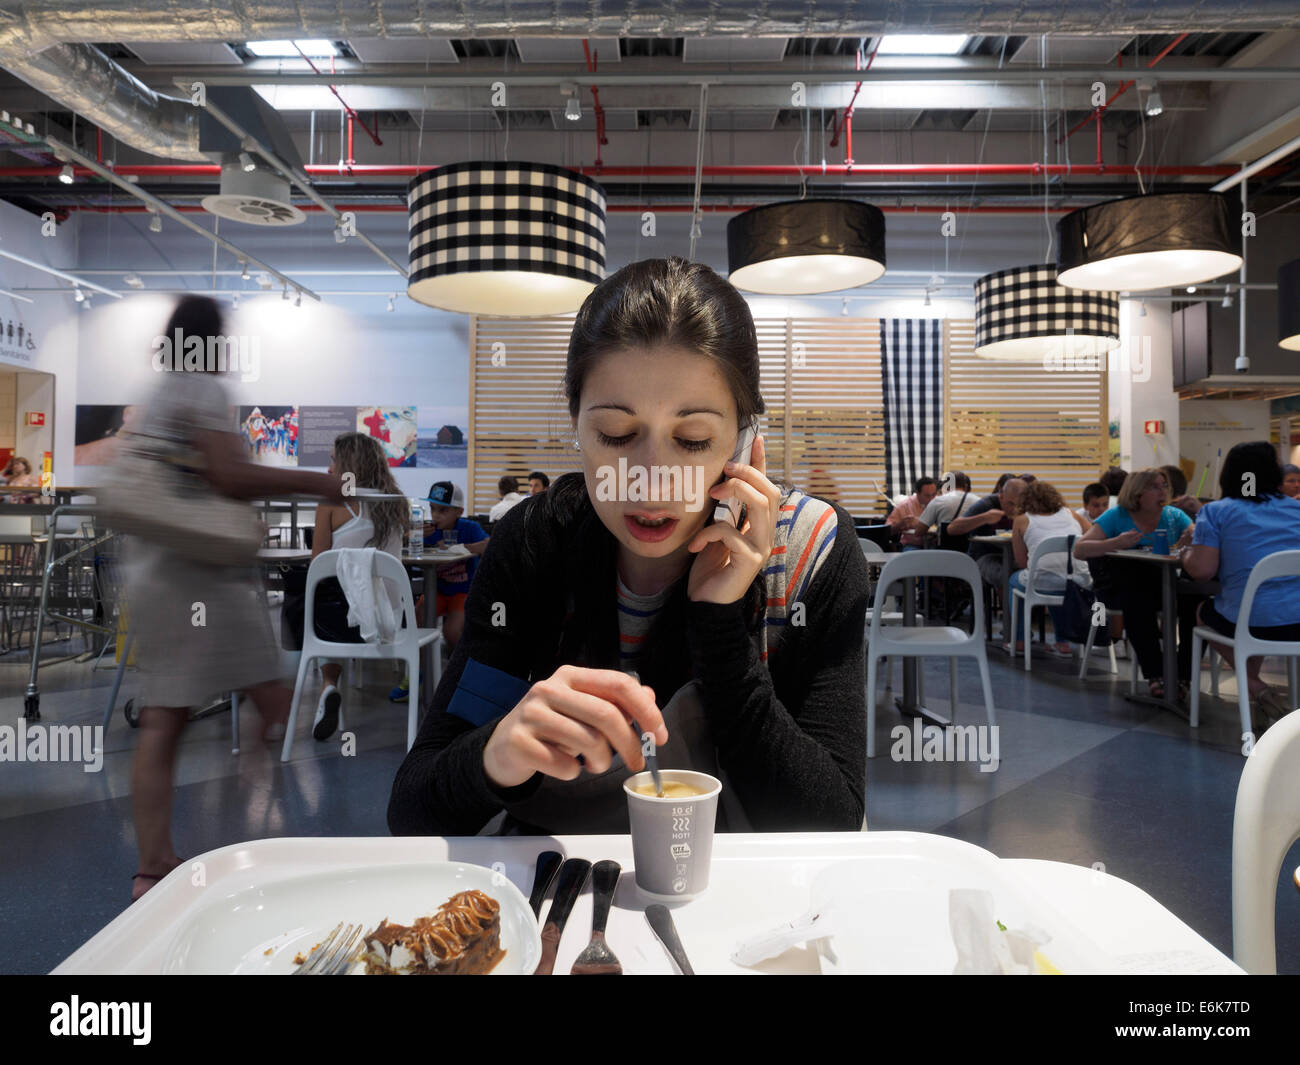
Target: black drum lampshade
[(1145, 242), (505, 239), (1288, 305), (1023, 315), (806, 246)]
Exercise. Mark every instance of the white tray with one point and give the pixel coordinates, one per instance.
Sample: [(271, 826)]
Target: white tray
[(758, 881)]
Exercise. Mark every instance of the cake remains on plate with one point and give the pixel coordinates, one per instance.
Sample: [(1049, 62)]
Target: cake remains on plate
[(464, 937)]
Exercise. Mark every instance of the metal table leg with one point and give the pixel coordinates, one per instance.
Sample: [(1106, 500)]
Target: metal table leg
[(909, 703)]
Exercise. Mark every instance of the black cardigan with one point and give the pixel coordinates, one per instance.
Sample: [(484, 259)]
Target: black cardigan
[(790, 733)]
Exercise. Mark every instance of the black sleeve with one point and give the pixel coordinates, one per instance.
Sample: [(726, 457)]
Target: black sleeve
[(441, 788), (980, 506), (801, 764)]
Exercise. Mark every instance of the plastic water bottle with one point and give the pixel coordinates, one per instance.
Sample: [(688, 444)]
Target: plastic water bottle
[(415, 539)]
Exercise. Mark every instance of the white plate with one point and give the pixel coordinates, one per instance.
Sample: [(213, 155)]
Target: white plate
[(260, 929)]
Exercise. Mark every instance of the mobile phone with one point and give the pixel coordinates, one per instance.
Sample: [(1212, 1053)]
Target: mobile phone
[(732, 510)]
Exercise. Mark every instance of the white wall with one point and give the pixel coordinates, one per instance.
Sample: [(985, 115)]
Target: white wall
[(34, 392), (1210, 427), (52, 319)]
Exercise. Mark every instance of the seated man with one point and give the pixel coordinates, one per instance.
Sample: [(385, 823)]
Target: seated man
[(447, 504), (508, 489), (993, 513), (903, 517), (948, 505), (538, 482)]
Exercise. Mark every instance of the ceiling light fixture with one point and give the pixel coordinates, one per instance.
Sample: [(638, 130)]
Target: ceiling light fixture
[(243, 273), (1191, 289), (1227, 298), (1142, 309), (391, 304), (78, 295), (1164, 240), (1024, 315), (1154, 105), (247, 163), (66, 175), (921, 43), (155, 223), (285, 294), (235, 302), (547, 265), (315, 48), (133, 280), (801, 247), (298, 302), (1288, 305)]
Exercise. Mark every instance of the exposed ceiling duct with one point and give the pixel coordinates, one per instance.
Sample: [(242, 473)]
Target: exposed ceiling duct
[(42, 41)]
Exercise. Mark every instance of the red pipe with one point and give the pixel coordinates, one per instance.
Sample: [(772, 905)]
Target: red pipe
[(716, 170), (601, 139), (99, 145), (847, 124), (616, 208), (342, 103), (1124, 87)]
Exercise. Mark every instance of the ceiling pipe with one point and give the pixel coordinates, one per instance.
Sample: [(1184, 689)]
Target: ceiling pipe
[(617, 208), (1246, 172), (252, 144), (1123, 88), (164, 208), (715, 170)]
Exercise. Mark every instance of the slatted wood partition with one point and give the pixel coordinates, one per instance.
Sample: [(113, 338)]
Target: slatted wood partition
[(518, 419), (1021, 418)]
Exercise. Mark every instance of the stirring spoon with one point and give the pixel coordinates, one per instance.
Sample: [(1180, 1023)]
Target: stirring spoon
[(648, 748)]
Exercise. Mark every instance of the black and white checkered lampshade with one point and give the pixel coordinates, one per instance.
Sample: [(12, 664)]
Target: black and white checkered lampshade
[(505, 239), (1023, 315)]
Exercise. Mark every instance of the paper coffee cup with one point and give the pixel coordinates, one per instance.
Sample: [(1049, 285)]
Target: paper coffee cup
[(672, 838)]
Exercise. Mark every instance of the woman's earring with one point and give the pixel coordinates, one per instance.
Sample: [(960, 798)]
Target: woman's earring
[(577, 446)]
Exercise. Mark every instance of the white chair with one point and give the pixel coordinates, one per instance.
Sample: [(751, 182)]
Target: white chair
[(919, 641), (1245, 646), (407, 642), (1265, 825), (1114, 666), (1031, 596), (871, 549)]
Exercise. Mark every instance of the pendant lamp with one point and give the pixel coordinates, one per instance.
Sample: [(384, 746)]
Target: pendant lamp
[(1163, 240), (1288, 305), (1023, 315), (804, 246), (505, 239)]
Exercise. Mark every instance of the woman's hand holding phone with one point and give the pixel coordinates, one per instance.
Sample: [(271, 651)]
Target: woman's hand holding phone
[(728, 559), (575, 711)]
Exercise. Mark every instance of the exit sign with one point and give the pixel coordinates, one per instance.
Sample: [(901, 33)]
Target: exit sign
[(1153, 428), (35, 417)]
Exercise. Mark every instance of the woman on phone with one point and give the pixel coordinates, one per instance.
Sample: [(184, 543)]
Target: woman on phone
[(598, 614)]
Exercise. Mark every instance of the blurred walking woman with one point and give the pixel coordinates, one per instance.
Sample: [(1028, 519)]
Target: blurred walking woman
[(747, 641), (182, 664)]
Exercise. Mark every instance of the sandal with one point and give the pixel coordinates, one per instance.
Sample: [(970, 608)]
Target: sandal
[(1156, 688), (146, 876)]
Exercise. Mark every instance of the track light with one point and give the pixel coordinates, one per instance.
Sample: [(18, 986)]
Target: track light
[(243, 274), (1142, 309), (573, 109), (339, 235), (1154, 105), (1227, 298), (246, 161), (133, 280), (65, 175), (927, 297), (78, 295), (844, 306), (155, 223), (298, 302), (86, 305), (285, 294), (391, 305), (235, 302), (1191, 289)]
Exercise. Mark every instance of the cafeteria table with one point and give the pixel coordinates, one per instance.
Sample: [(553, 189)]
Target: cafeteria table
[(757, 882)]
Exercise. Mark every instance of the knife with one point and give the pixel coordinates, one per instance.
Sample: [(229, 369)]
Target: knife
[(548, 864), (661, 922), (573, 878)]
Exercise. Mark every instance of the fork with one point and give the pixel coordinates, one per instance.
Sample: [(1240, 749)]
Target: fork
[(596, 958), (334, 955)]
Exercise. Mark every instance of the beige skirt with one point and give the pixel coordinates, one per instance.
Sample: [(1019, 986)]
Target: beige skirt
[(199, 630)]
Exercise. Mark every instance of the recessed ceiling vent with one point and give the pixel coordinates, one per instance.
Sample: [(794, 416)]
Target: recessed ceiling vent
[(257, 197)]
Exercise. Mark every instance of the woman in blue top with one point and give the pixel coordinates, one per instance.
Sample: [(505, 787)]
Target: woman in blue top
[(1142, 519), (1253, 518)]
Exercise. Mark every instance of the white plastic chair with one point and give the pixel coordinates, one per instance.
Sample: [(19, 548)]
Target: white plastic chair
[(871, 549), (920, 641), (1265, 825), (1245, 646), (1030, 596), (406, 645)]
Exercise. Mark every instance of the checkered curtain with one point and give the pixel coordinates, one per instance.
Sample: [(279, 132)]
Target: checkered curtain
[(911, 374)]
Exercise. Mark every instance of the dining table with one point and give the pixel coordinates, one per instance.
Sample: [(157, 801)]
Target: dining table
[(1088, 919)]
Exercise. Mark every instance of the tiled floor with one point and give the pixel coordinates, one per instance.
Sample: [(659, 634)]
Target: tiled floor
[(1085, 777)]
